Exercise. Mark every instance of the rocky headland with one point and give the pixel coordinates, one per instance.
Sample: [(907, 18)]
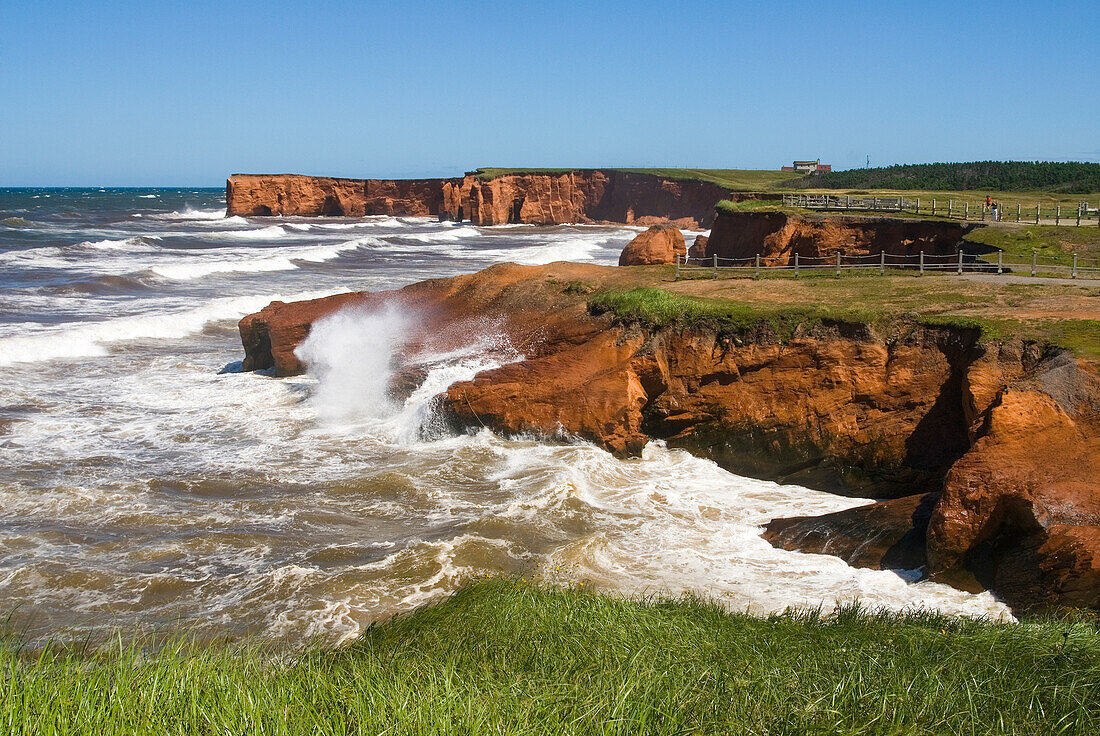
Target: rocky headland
[(584, 195), (986, 452)]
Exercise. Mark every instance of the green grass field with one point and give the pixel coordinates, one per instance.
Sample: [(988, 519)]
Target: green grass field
[(508, 657)]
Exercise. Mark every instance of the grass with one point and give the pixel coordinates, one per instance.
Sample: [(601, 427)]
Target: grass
[(1007, 200), (760, 205), (506, 656), (1056, 315), (1049, 241), (738, 179), (660, 308)]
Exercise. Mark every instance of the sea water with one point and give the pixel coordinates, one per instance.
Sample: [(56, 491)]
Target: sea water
[(145, 482)]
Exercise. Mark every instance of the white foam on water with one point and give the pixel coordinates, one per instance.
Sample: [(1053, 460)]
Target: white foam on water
[(676, 523), (452, 234), (93, 338), (265, 233), (192, 214), (138, 242), (199, 264), (147, 196)]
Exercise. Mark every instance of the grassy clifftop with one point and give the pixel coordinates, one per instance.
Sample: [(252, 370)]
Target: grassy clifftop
[(513, 657), (738, 179)]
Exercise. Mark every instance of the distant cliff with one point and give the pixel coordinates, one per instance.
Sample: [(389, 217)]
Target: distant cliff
[(589, 195), (310, 196)]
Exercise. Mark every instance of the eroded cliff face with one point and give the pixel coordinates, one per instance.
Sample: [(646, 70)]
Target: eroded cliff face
[(544, 199), (310, 196), (582, 196), (990, 450), (778, 236)]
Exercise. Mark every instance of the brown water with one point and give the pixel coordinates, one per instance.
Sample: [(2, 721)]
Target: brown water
[(145, 482)]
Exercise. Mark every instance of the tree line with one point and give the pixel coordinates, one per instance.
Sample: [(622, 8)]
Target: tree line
[(999, 176)]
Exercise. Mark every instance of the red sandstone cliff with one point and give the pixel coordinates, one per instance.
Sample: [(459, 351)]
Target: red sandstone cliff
[(991, 449), (777, 236), (589, 195), (581, 196), (293, 194)]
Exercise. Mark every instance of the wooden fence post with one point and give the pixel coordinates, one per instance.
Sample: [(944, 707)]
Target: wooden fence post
[(918, 205), (1078, 215), (1033, 258), (796, 264), (715, 265), (882, 263), (966, 212), (983, 212), (921, 264), (838, 264), (1038, 208), (677, 266), (950, 206), (1000, 265), (1017, 212), (1058, 214), (757, 265), (1074, 265), (960, 261), (933, 206)]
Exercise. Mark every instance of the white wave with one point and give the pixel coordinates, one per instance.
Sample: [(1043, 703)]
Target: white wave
[(264, 233), (285, 261), (191, 214), (574, 248), (76, 340), (452, 234), (138, 241), (147, 196)]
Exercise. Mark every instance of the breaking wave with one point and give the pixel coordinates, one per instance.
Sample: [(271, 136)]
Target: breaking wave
[(81, 340)]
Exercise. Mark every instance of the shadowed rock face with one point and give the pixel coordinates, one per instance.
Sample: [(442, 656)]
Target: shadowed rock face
[(777, 236), (889, 535), (991, 452), (543, 199)]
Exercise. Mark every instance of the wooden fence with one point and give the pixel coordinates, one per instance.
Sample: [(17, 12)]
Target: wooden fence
[(1071, 266), (1080, 215)]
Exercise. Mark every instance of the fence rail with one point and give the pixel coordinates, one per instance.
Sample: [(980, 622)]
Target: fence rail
[(951, 208), (961, 262)]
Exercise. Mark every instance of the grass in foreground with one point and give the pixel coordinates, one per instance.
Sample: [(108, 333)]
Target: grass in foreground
[(511, 657)]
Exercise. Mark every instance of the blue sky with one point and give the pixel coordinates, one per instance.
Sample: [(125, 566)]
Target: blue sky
[(185, 93)]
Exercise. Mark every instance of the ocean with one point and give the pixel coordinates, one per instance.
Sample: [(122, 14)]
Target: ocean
[(146, 483)]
